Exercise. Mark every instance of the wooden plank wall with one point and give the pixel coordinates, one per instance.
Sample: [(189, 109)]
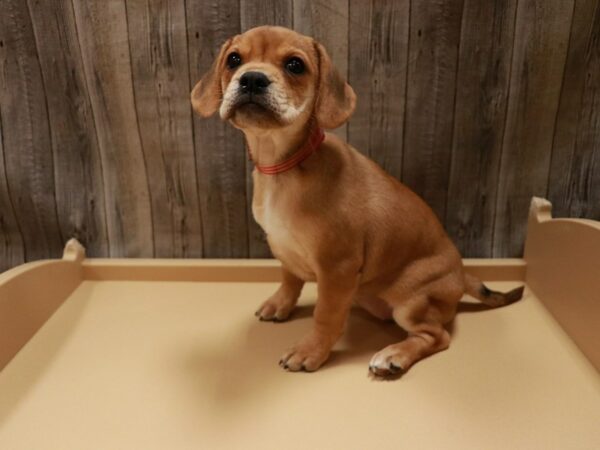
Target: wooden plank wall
[(475, 105)]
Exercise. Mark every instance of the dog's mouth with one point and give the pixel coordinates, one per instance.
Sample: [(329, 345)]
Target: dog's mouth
[(255, 109), (251, 103)]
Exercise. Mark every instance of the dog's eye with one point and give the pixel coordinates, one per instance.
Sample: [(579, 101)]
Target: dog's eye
[(294, 65), (233, 60)]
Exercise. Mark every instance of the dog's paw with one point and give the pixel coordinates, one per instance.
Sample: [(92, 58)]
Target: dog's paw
[(387, 363), (276, 309), (308, 355)]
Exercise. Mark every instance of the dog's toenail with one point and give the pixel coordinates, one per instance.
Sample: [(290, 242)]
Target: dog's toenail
[(394, 368)]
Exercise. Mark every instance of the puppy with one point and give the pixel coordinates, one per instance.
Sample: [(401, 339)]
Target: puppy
[(331, 215)]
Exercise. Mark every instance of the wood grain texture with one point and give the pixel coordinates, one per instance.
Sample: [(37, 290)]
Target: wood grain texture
[(378, 60), (158, 47), (27, 148), (79, 185), (219, 148), (103, 38), (574, 181), (481, 97), (541, 40), (433, 54), (327, 22), (475, 105), (11, 240), (254, 13)]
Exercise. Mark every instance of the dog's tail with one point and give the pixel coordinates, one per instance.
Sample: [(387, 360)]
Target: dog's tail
[(477, 289)]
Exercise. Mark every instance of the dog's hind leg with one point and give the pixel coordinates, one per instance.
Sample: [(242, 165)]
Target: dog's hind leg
[(424, 322)]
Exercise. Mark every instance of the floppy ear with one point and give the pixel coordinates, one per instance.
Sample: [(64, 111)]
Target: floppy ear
[(335, 98), (207, 94)]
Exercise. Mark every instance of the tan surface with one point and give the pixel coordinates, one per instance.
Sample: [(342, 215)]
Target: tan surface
[(178, 365), (21, 311), (250, 269), (563, 269), (164, 364)]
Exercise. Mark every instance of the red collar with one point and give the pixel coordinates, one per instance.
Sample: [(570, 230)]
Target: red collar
[(308, 148)]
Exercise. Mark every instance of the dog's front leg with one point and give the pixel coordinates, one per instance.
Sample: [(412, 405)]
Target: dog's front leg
[(336, 289), (279, 306)]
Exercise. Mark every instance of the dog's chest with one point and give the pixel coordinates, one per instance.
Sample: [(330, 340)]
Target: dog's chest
[(273, 222), (285, 239)]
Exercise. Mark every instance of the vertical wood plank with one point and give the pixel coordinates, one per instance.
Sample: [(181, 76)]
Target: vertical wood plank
[(220, 152), (102, 32), (77, 166), (433, 51), (574, 181), (27, 147), (378, 59), (481, 97), (11, 241), (97, 139), (254, 13), (328, 24), (541, 39), (158, 47)]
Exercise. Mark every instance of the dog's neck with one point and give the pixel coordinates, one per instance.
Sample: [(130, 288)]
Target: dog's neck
[(271, 147)]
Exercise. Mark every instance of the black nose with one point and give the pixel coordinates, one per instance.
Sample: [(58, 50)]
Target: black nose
[(254, 82)]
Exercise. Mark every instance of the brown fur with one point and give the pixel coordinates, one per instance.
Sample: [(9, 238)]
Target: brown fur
[(338, 218)]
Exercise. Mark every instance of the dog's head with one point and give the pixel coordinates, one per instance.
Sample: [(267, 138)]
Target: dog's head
[(271, 77)]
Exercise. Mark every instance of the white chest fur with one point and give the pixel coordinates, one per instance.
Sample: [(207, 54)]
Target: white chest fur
[(285, 241), (265, 212)]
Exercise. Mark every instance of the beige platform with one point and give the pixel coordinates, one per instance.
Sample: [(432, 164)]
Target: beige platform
[(141, 354)]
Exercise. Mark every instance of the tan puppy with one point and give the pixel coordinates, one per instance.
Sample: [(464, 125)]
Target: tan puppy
[(331, 214)]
